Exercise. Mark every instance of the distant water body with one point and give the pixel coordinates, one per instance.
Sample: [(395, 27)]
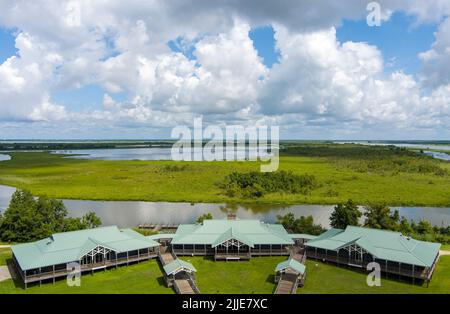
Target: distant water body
[(425, 147)]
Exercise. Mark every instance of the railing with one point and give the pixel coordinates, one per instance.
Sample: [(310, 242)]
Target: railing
[(86, 267), (417, 273)]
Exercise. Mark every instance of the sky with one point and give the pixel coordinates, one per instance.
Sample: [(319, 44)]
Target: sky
[(136, 69)]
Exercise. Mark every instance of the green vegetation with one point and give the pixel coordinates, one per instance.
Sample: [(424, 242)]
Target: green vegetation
[(344, 215), (203, 217), (371, 159), (28, 219), (145, 277), (300, 225), (58, 177), (257, 184), (144, 231), (255, 276), (380, 216), (327, 278), (5, 255)]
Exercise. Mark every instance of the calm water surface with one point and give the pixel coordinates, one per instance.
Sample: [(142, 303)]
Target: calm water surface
[(129, 214)]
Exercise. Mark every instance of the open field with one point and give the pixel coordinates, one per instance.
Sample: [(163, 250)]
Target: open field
[(54, 176), (254, 276)]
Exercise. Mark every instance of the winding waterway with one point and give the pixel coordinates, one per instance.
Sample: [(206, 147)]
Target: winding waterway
[(130, 213)]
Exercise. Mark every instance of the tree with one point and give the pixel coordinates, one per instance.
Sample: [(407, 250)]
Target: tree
[(405, 226), (203, 217), (379, 216), (345, 215), (424, 227), (28, 219), (300, 225), (90, 220), (288, 221)]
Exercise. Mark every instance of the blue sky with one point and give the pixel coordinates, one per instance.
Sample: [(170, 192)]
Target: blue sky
[(399, 39), (7, 44), (227, 88)]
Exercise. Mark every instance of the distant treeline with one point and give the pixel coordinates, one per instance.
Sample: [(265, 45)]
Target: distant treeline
[(7, 146)]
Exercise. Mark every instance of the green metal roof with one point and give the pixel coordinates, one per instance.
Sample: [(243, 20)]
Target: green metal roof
[(302, 236), (216, 231), (382, 244), (178, 265), (159, 236), (292, 264), (232, 234), (71, 246)]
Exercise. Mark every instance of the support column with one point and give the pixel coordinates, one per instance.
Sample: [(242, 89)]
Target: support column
[(386, 268), (413, 274), (53, 274), (128, 262)]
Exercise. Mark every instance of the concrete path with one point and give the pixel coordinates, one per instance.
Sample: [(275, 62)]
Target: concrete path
[(444, 252), (4, 273), (4, 246)]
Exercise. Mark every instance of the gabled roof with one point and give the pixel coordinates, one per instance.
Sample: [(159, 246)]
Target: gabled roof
[(178, 265), (382, 244), (71, 246), (292, 264), (232, 234), (216, 231)]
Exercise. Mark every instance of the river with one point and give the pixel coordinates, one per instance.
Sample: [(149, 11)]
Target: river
[(130, 213)]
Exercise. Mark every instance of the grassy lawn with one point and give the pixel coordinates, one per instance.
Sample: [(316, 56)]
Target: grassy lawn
[(445, 247), (145, 277), (255, 276), (327, 278), (5, 254), (58, 177)]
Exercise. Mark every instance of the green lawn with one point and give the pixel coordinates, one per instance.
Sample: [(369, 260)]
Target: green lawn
[(58, 177), (445, 247), (145, 277), (255, 276), (5, 254)]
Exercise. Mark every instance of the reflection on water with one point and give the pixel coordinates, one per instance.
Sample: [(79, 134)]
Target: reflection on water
[(153, 153), (129, 214), (438, 155)]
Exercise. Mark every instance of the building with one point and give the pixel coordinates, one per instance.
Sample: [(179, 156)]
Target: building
[(289, 275), (227, 239), (92, 249), (358, 246)]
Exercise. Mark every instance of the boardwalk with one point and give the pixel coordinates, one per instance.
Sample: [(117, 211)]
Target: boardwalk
[(287, 284), (182, 281), (290, 280)]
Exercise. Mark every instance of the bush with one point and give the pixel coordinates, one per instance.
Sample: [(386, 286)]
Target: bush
[(257, 184)]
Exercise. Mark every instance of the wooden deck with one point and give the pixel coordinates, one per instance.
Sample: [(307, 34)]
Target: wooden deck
[(86, 268)]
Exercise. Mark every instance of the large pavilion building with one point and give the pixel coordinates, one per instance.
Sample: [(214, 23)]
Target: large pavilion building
[(92, 249), (395, 253), (231, 239)]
